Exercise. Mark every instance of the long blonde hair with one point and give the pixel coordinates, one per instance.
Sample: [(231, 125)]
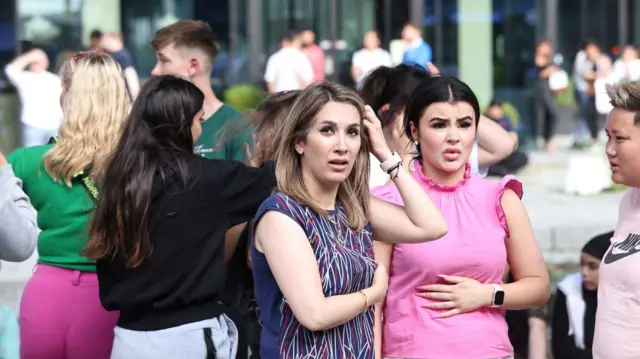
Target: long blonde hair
[(95, 106), (353, 193)]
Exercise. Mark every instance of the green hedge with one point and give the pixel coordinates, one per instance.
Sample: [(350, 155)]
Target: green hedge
[(510, 110), (244, 97), (567, 97)]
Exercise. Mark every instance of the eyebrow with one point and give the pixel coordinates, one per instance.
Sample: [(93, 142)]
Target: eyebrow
[(330, 123), (334, 124), (436, 119)]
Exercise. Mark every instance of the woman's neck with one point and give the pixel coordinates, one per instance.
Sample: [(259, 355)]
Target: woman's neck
[(400, 144), (442, 177), (324, 196)]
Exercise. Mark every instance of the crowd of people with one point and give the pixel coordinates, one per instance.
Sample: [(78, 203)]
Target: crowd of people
[(330, 223), (593, 68)]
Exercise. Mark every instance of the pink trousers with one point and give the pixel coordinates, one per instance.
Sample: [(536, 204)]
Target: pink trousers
[(61, 316)]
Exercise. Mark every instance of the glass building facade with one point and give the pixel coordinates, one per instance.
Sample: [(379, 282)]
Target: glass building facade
[(488, 43)]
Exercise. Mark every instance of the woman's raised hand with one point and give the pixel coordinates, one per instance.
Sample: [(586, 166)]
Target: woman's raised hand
[(379, 146)]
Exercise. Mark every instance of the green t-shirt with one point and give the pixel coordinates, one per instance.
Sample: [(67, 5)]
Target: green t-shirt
[(63, 213), (222, 123)]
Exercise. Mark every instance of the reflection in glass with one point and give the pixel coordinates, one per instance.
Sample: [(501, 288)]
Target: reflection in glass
[(515, 24), (54, 26)]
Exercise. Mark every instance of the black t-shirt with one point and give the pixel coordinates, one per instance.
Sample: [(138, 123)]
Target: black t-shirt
[(562, 342), (123, 58), (181, 280), (238, 289)]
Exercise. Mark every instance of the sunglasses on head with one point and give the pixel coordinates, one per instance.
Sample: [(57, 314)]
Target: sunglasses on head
[(77, 56)]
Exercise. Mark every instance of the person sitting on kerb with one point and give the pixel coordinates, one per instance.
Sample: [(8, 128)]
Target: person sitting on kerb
[(18, 229)]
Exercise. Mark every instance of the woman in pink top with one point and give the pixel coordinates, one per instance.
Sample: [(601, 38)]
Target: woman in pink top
[(618, 316), (445, 298)]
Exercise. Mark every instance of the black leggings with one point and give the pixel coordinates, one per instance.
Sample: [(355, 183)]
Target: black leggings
[(510, 165), (591, 116), (547, 111)]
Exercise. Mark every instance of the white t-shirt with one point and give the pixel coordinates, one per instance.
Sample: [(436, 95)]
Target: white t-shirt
[(378, 177), (40, 97), (627, 71), (366, 60), (286, 67)]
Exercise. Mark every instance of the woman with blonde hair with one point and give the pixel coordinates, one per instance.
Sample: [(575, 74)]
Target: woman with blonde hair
[(60, 314), (316, 286)]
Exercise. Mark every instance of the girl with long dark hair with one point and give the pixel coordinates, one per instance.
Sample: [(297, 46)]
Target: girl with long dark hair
[(158, 233)]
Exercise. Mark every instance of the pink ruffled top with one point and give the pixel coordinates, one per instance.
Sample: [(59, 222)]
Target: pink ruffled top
[(474, 247)]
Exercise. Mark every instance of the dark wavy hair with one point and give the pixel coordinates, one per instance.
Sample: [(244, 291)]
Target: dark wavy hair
[(437, 89), (387, 89), (155, 138)]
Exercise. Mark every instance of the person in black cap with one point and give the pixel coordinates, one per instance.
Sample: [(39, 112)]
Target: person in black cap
[(576, 302)]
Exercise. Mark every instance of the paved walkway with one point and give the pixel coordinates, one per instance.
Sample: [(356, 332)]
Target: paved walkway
[(563, 223)]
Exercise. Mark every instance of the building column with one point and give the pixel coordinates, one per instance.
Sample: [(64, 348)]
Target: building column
[(623, 22), (254, 40), (551, 21), (439, 43), (416, 12), (475, 47)]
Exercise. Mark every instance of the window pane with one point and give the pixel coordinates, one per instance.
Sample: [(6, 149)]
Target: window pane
[(9, 101), (8, 35), (514, 37), (141, 20), (62, 26), (450, 37)]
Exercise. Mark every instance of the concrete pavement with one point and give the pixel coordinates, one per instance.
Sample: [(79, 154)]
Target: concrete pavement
[(562, 222)]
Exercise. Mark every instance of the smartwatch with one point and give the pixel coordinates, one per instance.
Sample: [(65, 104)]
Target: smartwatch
[(498, 296)]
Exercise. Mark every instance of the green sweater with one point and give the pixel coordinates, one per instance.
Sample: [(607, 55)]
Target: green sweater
[(63, 213), (208, 145)]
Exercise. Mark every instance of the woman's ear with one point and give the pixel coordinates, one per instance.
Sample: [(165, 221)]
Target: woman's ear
[(414, 131), (298, 145)]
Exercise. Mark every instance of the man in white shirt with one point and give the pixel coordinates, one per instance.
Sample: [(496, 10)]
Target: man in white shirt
[(288, 69), (369, 58), (39, 92), (627, 67)]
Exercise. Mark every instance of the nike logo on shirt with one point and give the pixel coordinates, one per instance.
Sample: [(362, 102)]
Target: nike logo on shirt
[(623, 249)]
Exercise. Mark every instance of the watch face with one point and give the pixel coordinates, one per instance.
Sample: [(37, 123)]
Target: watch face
[(499, 298)]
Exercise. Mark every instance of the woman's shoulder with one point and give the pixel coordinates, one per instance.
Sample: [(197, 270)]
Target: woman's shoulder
[(28, 160), (388, 193), (492, 186), (283, 203), (288, 206), (279, 199), (33, 153)]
